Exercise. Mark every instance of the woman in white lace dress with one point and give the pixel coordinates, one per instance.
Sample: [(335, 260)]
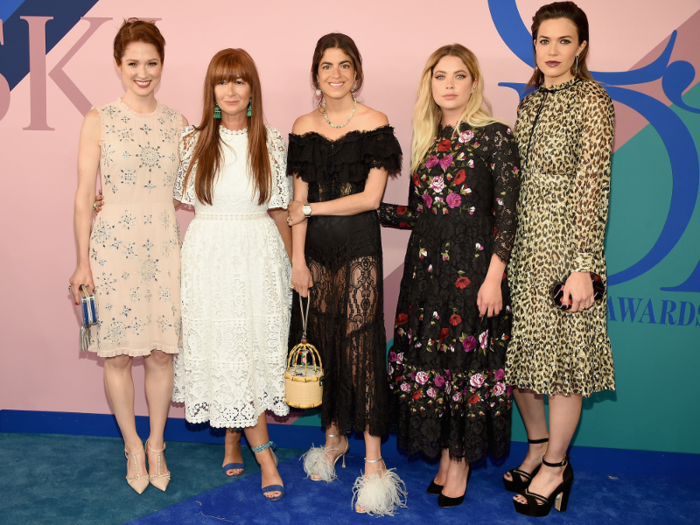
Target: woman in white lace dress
[(235, 270)]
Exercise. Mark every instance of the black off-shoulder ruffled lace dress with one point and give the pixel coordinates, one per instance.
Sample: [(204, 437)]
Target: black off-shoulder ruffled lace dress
[(446, 365), (344, 255)]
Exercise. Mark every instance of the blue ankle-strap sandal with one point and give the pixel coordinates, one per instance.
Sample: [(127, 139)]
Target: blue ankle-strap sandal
[(270, 488)]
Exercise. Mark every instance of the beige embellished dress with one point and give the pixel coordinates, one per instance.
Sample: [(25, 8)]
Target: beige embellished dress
[(135, 240), (565, 138)]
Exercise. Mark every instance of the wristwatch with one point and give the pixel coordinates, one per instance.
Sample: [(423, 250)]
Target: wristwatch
[(306, 210)]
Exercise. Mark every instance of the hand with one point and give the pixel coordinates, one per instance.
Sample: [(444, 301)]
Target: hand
[(490, 300), (296, 215), (97, 205), (301, 279), (578, 292), (81, 275)]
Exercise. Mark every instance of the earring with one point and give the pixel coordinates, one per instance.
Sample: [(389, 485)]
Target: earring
[(536, 68), (217, 110), (318, 92), (250, 107), (576, 66)]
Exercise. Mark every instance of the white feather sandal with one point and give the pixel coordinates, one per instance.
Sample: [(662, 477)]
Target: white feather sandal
[(380, 493), (317, 465)]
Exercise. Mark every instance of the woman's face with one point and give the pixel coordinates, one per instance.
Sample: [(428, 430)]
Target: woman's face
[(232, 97), (336, 73), (556, 48), (141, 68), (452, 85)]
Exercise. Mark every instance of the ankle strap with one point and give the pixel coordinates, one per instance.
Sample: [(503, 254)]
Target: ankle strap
[(537, 441), (373, 460), (334, 435), (561, 464), (262, 447)]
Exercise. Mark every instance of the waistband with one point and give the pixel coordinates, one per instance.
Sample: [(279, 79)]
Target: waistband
[(230, 216)]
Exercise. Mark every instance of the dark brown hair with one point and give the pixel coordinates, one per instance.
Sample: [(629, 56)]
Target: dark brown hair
[(347, 46), (575, 14), (135, 30), (228, 65)]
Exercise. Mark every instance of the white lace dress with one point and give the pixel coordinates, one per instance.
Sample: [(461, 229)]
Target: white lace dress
[(235, 291)]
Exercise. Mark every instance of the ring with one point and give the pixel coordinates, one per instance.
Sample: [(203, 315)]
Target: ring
[(289, 220), (70, 288), (291, 287), (94, 207)]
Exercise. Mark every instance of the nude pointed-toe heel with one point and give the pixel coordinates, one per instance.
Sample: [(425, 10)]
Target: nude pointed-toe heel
[(159, 480), (137, 481)]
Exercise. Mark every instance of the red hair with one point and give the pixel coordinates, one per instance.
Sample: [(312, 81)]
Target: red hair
[(135, 30)]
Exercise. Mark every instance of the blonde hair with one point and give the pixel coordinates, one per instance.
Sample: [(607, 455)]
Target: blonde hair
[(427, 114)]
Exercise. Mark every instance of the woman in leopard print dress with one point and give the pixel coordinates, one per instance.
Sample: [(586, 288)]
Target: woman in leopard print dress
[(564, 133)]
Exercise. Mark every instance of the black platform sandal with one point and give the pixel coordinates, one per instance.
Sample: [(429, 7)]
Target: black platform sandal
[(537, 505), (518, 485)]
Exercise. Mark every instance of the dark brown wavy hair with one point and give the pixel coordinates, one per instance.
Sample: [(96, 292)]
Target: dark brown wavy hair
[(570, 11), (347, 46), (135, 30), (230, 65)]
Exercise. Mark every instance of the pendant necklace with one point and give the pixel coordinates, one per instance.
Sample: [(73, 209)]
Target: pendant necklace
[(325, 115)]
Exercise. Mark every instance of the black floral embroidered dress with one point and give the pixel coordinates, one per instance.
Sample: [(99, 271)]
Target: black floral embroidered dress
[(446, 365), (344, 255)]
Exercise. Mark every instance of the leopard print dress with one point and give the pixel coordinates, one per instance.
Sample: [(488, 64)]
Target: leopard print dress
[(565, 138)]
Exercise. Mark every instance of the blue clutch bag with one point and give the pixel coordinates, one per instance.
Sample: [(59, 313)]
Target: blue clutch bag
[(88, 308)]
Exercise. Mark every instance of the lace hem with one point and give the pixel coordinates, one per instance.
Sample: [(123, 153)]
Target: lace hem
[(135, 352)]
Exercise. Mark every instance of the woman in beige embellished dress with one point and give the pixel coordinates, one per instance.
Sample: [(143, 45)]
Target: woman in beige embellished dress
[(132, 256), (565, 134)]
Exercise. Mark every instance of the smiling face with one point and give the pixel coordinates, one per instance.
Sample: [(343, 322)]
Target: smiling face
[(556, 48), (232, 96), (141, 69), (452, 86), (336, 73)]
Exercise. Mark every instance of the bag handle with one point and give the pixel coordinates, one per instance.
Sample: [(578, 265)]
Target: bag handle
[(304, 315)]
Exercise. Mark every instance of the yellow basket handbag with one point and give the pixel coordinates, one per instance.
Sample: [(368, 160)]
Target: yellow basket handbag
[(303, 379)]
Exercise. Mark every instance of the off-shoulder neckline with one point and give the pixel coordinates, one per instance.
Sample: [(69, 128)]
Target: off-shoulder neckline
[(354, 131)]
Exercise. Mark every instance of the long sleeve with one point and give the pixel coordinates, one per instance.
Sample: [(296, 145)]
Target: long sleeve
[(402, 217), (505, 169), (188, 140), (281, 188), (592, 184)]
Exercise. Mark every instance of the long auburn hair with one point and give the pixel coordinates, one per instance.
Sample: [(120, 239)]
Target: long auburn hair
[(427, 114), (577, 16), (229, 65)]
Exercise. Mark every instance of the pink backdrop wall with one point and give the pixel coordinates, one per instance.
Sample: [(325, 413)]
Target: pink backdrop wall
[(40, 365)]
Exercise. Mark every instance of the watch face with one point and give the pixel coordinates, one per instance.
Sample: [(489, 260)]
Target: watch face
[(306, 210)]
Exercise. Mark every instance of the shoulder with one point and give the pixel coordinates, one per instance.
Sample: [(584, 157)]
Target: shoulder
[(527, 101), (273, 135), (498, 128), (371, 118), (305, 123), (92, 118), (188, 137), (592, 92), (92, 126)]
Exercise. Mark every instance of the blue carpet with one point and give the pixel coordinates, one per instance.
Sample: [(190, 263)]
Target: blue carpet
[(597, 498)]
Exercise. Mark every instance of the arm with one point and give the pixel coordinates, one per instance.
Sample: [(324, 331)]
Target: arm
[(368, 199), (176, 202), (590, 195), (301, 276), (280, 189), (504, 162), (88, 163), (182, 195)]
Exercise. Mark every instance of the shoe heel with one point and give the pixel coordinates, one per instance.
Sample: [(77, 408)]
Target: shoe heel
[(562, 500), (343, 460)]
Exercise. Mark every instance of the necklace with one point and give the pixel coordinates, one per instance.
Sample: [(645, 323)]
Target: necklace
[(325, 115)]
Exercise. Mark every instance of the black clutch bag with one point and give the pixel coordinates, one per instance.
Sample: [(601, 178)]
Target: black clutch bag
[(558, 291)]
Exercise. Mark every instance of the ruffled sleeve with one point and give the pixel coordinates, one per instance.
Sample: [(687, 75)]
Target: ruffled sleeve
[(188, 140), (281, 190)]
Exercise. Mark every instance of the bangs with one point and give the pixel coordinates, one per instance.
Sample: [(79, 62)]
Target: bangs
[(229, 68)]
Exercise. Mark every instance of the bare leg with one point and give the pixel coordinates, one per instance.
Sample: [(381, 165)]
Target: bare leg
[(256, 437), (159, 389), (564, 415), (232, 451), (373, 450), (531, 407), (457, 475), (119, 386), (441, 477), (335, 446)]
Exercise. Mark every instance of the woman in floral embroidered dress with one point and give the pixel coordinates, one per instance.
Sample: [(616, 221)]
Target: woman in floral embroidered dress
[(453, 316), (133, 251)]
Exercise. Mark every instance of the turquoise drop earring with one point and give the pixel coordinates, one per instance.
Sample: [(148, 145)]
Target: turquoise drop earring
[(250, 107), (217, 110)]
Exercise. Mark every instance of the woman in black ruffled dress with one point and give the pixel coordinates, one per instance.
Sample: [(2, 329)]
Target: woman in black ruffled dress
[(340, 155), (453, 317)]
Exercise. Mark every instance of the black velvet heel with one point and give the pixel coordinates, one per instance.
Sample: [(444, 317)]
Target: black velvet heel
[(434, 488), (523, 480), (445, 502), (537, 505)]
